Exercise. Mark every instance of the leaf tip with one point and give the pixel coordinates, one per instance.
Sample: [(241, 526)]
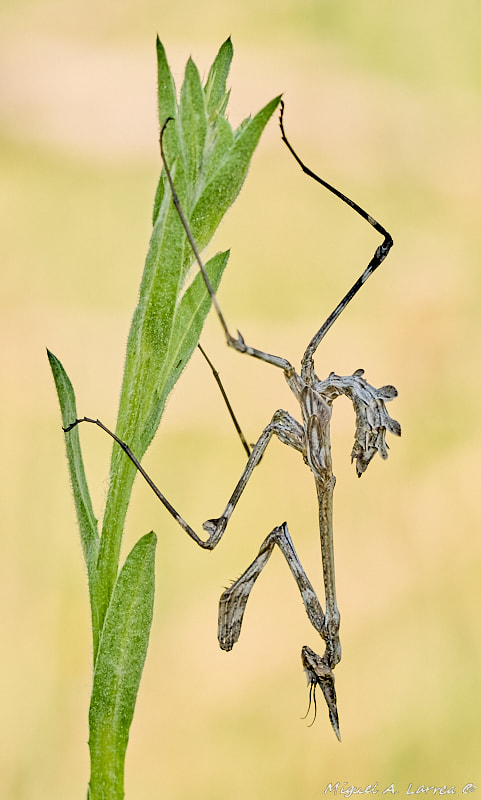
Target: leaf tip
[(53, 360)]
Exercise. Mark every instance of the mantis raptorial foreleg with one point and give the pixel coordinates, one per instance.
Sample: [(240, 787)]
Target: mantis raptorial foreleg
[(234, 600)]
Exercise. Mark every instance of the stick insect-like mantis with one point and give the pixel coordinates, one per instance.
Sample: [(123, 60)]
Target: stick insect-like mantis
[(311, 438)]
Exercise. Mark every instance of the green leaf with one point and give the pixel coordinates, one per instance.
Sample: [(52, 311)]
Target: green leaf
[(166, 94), (167, 107), (83, 503), (188, 323), (215, 86), (227, 182), (193, 124), (118, 669), (222, 140)]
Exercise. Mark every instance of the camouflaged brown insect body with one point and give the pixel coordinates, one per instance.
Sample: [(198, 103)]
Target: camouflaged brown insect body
[(312, 440)]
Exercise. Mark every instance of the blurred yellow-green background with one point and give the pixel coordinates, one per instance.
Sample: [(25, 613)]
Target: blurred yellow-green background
[(383, 99)]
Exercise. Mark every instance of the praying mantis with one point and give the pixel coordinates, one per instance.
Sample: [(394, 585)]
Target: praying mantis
[(311, 438)]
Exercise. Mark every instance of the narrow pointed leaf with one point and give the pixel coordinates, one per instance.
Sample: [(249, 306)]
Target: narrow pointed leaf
[(166, 94), (226, 184), (215, 87), (193, 123), (83, 503), (167, 107)]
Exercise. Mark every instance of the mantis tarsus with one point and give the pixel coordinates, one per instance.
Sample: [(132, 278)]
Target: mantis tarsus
[(311, 438)]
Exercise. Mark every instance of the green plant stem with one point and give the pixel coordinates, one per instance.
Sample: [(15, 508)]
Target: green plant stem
[(209, 162)]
